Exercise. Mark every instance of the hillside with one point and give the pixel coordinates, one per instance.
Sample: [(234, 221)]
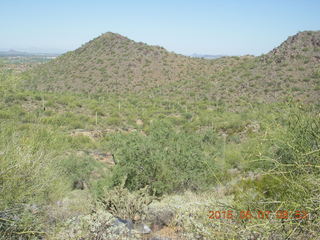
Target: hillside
[(304, 45), (112, 63), (290, 70)]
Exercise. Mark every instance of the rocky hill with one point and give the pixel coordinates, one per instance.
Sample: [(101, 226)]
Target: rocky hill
[(112, 63), (302, 45)]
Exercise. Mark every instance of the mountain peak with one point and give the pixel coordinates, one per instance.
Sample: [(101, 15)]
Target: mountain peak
[(112, 35), (302, 44)]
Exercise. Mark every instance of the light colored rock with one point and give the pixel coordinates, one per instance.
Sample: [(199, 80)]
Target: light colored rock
[(92, 134), (139, 122), (253, 127), (141, 228)]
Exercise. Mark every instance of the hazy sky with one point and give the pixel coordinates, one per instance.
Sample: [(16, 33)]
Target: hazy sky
[(232, 27)]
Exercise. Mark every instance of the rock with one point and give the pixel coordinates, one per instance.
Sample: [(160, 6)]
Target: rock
[(136, 218), (253, 127), (81, 153), (104, 157), (127, 223), (138, 228), (79, 184), (158, 218), (108, 227), (141, 228), (139, 122), (128, 130), (33, 208), (92, 134)]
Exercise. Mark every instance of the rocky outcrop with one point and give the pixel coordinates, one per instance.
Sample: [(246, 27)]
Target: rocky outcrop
[(302, 45)]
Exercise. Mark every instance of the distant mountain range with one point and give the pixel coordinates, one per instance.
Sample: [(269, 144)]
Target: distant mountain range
[(206, 56), (14, 53)]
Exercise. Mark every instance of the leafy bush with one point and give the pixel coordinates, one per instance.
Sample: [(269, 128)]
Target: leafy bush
[(166, 159)]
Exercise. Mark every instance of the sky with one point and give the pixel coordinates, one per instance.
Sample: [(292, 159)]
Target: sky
[(228, 27)]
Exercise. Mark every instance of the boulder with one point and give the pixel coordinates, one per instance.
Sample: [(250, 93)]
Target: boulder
[(159, 218), (104, 157)]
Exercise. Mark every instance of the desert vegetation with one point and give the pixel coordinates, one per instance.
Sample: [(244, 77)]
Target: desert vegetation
[(158, 141)]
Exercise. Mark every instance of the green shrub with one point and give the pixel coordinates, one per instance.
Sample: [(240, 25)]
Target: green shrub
[(30, 176), (291, 181), (166, 159), (301, 146), (77, 168), (28, 173)]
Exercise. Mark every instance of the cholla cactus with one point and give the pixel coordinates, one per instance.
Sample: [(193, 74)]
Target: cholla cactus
[(125, 204)]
